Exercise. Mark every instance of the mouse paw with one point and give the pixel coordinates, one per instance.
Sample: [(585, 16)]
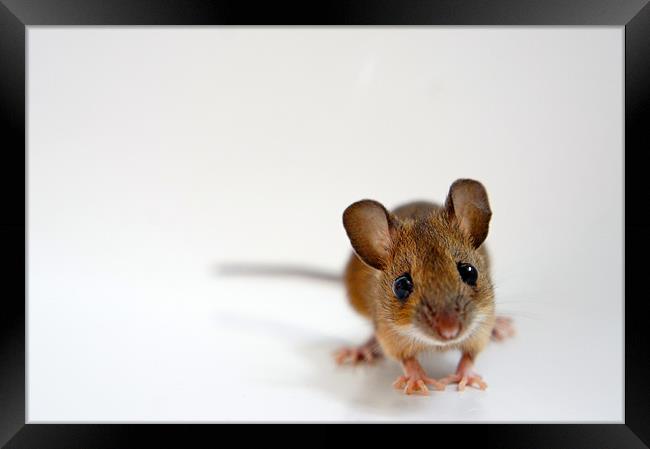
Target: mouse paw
[(415, 384), (415, 379), (465, 375), (354, 355), (368, 352), (503, 328), (464, 379)]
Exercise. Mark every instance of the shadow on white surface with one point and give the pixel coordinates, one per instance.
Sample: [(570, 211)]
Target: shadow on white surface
[(363, 388), (362, 385)]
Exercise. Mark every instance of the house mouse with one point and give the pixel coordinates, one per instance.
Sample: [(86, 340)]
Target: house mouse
[(421, 275)]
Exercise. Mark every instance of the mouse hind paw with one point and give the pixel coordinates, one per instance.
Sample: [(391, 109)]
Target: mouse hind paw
[(503, 328), (367, 352)]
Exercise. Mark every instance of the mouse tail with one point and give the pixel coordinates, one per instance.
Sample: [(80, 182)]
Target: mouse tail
[(279, 270)]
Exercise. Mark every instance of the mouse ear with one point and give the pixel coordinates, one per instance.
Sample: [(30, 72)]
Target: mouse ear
[(468, 204), (368, 225)]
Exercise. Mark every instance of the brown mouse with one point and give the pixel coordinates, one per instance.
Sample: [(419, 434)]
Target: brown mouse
[(421, 274)]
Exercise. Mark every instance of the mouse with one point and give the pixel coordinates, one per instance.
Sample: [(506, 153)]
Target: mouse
[(420, 274)]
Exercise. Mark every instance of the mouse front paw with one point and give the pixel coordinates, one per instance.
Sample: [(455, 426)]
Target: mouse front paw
[(415, 380), (417, 384), (464, 379), (465, 375)]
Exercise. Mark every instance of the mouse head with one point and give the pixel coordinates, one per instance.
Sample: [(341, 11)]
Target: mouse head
[(433, 280)]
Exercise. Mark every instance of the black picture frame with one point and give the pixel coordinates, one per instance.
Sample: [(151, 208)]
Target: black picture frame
[(16, 15)]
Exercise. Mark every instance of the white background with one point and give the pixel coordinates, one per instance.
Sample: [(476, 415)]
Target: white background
[(157, 155)]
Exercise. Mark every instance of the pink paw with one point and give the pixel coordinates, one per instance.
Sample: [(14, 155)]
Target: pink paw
[(356, 355), (417, 383), (473, 380), (503, 328)]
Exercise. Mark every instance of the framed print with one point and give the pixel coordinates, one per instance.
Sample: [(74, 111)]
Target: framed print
[(416, 212)]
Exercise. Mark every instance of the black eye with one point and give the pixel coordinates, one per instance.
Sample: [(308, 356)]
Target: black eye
[(403, 286), (468, 273)]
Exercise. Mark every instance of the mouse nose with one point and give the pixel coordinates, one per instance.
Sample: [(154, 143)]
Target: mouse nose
[(447, 325)]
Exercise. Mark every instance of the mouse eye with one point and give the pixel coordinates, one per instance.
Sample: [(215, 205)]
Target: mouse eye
[(403, 286), (468, 273)]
